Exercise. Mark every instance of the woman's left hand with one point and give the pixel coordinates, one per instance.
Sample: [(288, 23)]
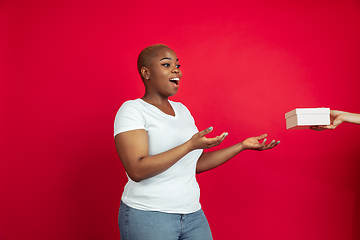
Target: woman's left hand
[(253, 143)]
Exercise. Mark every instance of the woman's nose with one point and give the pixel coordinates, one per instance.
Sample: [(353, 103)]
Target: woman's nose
[(175, 70)]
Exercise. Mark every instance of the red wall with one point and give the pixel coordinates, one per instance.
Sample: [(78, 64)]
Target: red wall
[(67, 66)]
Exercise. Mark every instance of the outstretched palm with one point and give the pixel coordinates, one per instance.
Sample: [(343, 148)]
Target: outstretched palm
[(254, 144)]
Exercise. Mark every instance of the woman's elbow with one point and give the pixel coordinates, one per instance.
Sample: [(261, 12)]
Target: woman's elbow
[(136, 177), (132, 170)]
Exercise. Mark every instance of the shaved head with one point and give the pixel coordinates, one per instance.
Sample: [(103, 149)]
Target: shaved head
[(147, 54)]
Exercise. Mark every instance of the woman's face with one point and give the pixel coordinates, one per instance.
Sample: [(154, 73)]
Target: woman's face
[(164, 72)]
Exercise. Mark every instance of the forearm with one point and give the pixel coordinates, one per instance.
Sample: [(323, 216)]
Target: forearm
[(153, 165), (351, 117), (133, 150), (211, 160)]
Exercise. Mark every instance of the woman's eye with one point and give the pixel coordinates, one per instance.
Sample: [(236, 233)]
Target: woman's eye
[(168, 65)]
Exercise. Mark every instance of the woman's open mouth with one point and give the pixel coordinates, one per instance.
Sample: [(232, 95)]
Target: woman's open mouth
[(175, 81)]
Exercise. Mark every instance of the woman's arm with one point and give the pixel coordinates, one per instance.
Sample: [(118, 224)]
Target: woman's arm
[(338, 117), (133, 150), (352, 118), (210, 160)]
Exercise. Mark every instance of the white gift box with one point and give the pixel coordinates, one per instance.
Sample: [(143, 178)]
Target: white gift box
[(306, 117)]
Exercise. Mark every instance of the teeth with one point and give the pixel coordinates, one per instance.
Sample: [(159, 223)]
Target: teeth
[(175, 79)]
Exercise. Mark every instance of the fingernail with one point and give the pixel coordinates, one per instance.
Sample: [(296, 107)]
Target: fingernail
[(278, 142), (265, 140), (272, 141), (210, 128), (226, 134)]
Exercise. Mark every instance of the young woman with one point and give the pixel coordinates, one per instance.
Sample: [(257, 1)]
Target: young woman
[(162, 150)]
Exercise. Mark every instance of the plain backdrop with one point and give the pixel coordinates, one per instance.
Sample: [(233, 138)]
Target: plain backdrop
[(67, 66)]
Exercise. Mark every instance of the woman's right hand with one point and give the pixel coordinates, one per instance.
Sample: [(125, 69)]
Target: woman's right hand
[(199, 141)]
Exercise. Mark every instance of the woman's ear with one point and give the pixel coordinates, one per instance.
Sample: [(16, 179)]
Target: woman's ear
[(145, 73)]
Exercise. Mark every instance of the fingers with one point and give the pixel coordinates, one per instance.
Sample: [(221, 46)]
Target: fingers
[(261, 137), (336, 122), (321, 128), (212, 142), (272, 144), (264, 146), (316, 128), (254, 144), (206, 131), (200, 141)]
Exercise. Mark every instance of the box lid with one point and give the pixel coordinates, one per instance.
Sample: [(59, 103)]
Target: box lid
[(307, 111)]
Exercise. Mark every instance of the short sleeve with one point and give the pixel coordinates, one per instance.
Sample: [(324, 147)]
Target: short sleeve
[(128, 118)]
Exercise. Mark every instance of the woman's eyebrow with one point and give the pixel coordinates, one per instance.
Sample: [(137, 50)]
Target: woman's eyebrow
[(166, 58)]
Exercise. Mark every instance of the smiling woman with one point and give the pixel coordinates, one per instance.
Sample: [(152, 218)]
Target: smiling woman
[(161, 75), (161, 150)]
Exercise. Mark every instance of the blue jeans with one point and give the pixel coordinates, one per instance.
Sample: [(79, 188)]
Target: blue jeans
[(136, 224)]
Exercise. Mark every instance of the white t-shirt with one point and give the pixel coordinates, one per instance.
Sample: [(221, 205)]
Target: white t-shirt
[(176, 189)]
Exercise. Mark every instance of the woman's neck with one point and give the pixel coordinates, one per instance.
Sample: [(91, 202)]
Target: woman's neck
[(161, 103), (155, 100)]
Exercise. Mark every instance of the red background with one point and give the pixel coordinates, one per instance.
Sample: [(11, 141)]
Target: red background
[(67, 66)]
